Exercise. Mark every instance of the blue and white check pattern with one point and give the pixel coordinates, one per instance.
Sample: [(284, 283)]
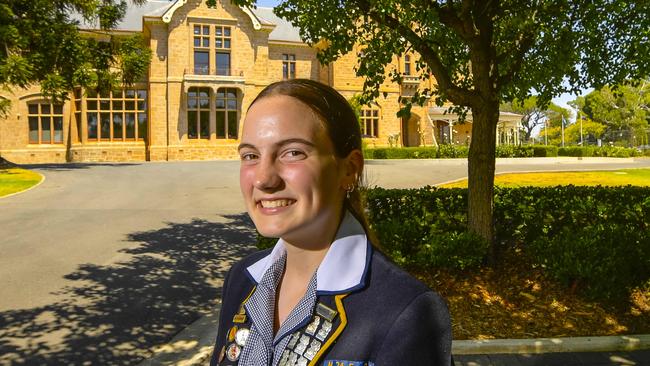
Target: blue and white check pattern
[(262, 348)]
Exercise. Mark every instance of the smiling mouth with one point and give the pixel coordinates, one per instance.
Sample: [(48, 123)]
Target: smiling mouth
[(276, 203)]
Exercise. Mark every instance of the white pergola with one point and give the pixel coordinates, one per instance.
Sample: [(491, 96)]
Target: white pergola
[(507, 128)]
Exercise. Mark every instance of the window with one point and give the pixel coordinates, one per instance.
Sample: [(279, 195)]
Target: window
[(202, 49), (407, 65), (222, 46), (288, 66), (45, 123), (212, 40), (120, 115), (198, 113), (226, 106), (370, 122)]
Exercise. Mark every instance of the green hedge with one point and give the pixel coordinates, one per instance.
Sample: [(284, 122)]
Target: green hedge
[(598, 237), (502, 151), (605, 151)]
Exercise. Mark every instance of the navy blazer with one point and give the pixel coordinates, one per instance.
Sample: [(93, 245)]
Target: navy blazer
[(392, 319)]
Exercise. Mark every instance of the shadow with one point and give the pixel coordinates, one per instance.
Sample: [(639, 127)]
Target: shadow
[(112, 315), (72, 166)]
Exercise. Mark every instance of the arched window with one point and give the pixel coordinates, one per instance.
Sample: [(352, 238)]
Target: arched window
[(45, 123), (226, 108), (198, 113)]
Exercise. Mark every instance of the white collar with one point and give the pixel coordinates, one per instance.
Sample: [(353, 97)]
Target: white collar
[(344, 267)]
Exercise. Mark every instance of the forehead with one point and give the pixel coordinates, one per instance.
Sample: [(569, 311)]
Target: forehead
[(282, 117)]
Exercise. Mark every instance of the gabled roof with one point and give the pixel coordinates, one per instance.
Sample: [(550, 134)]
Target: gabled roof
[(284, 30), (132, 20)]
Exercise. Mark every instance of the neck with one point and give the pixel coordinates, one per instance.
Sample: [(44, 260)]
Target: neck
[(303, 263)]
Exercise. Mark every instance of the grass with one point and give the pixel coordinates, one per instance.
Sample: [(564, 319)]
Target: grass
[(14, 180), (622, 177)]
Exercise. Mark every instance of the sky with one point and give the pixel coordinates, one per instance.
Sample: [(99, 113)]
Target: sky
[(562, 100)]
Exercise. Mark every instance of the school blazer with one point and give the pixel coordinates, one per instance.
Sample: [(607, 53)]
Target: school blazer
[(391, 319)]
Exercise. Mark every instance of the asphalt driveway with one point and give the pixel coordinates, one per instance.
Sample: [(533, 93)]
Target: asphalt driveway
[(103, 261)]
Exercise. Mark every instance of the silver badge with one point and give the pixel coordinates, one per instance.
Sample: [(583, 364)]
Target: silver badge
[(293, 340), (284, 361), (311, 328), (241, 336), (324, 331), (300, 348), (302, 362), (292, 359), (325, 311), (313, 349), (304, 340)]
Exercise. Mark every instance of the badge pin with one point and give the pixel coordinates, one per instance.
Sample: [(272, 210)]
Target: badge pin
[(284, 360), (300, 348), (241, 336), (309, 354), (315, 345), (325, 311), (304, 340), (293, 340), (292, 359), (231, 334), (324, 331), (311, 328), (302, 362), (233, 352), (239, 318)]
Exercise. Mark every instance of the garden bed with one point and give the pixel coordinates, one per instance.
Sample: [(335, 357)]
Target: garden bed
[(517, 300)]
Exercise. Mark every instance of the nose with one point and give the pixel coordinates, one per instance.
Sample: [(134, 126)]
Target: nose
[(267, 177)]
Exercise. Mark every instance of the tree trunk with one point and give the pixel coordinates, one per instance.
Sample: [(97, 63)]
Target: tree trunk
[(481, 165)]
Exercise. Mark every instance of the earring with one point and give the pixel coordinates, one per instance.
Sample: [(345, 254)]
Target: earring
[(349, 190)]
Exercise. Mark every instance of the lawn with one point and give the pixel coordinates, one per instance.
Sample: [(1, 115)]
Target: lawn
[(622, 177), (14, 180)]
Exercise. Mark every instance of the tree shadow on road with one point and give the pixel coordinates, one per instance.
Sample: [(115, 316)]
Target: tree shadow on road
[(72, 166), (112, 315)]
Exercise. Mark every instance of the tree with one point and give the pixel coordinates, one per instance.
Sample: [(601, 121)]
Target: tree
[(482, 53), (623, 108), (555, 114), (591, 130), (40, 43), (533, 115)]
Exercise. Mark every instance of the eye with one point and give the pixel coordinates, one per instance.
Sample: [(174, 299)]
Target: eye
[(247, 156), (293, 155)]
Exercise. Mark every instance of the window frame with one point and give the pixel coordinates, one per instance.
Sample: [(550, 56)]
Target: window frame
[(198, 110), (288, 66), (39, 115), (369, 118), (204, 46), (213, 40), (408, 65), (227, 110), (138, 97)]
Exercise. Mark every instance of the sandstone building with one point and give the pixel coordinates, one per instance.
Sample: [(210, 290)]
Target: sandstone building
[(208, 64)]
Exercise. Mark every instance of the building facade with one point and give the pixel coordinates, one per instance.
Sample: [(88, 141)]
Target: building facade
[(208, 64)]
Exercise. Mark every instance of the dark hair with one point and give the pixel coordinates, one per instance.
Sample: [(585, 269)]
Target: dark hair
[(340, 122)]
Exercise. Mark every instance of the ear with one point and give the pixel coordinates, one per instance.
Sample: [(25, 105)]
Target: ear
[(353, 167)]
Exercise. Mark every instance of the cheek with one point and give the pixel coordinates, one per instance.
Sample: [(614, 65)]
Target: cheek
[(246, 179)]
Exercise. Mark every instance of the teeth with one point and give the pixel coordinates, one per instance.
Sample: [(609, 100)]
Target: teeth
[(276, 203)]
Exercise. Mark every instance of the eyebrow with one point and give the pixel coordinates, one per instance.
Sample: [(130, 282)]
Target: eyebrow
[(279, 143)]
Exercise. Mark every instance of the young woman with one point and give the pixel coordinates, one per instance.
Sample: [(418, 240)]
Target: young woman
[(323, 295)]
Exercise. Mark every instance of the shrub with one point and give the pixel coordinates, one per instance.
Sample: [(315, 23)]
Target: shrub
[(598, 237), (541, 151), (605, 261)]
